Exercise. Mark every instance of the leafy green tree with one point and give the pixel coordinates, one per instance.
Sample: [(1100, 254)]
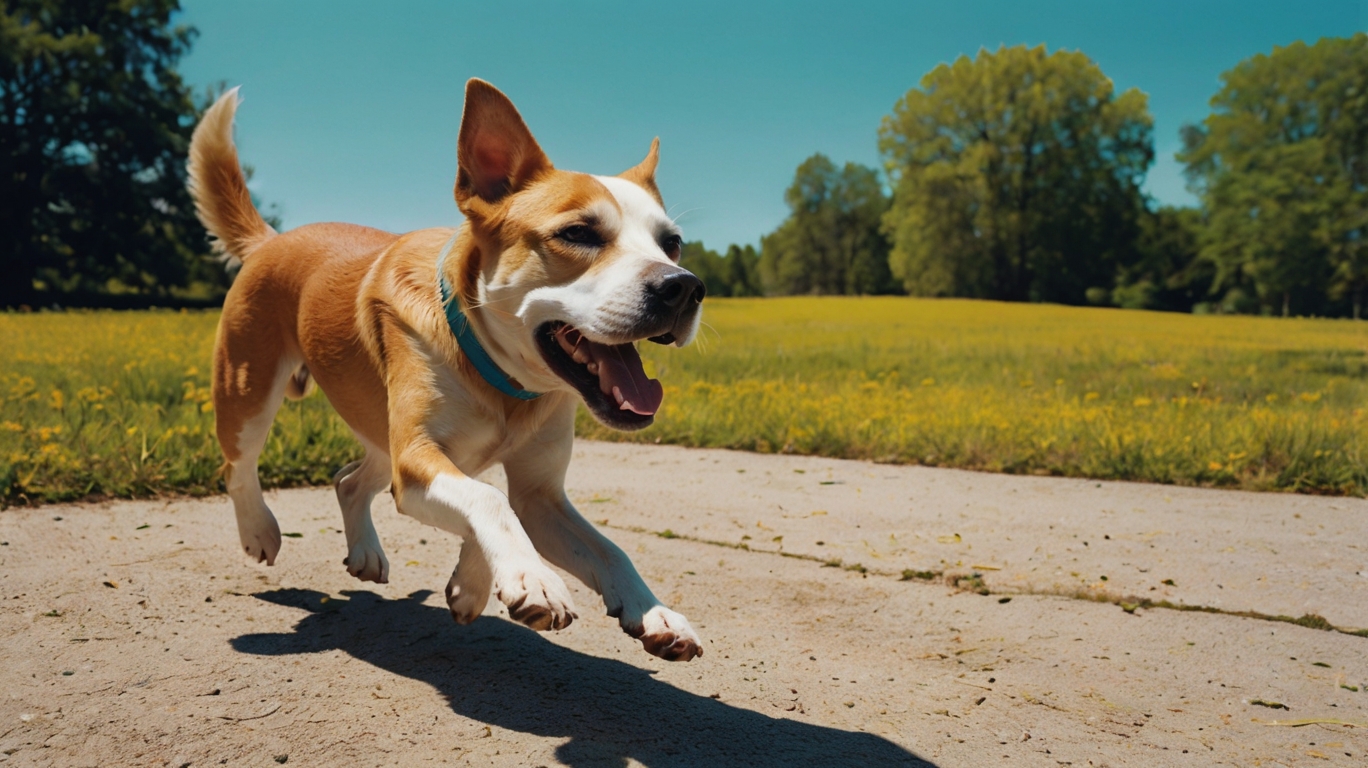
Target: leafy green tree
[(1168, 274), (743, 271), (831, 242), (735, 274), (1281, 166), (95, 123), (1016, 176)]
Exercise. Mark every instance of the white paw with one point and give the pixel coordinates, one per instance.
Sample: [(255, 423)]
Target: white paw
[(537, 597), (367, 562), (261, 541), (666, 634), (467, 593)]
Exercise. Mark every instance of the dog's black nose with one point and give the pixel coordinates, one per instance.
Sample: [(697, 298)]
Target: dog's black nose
[(679, 290)]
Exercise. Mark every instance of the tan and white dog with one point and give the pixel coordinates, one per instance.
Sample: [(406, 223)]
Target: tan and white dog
[(554, 275)]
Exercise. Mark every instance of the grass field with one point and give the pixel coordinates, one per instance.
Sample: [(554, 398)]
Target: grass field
[(117, 403)]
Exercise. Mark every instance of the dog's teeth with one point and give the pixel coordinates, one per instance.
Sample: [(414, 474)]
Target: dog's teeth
[(593, 368), (621, 401), (581, 355)]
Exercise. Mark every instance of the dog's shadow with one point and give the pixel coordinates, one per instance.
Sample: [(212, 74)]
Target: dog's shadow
[(499, 673)]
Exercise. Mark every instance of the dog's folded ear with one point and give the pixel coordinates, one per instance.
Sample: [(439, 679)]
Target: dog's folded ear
[(495, 154), (643, 173)]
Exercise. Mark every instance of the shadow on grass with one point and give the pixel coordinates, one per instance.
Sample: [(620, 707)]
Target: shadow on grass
[(502, 674)]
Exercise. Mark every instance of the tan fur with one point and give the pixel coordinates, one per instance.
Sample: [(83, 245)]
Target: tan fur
[(643, 174), (357, 310), (220, 190)]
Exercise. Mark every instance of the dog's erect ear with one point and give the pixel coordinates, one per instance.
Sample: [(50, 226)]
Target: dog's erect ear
[(495, 153), (643, 173)]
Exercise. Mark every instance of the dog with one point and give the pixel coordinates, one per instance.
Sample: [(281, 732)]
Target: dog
[(446, 351)]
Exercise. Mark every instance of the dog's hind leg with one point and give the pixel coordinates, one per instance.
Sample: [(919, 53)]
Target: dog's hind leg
[(248, 389), (244, 423), (356, 485)]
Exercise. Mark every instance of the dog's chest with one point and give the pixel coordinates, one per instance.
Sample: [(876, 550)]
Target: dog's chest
[(477, 446), (472, 435)]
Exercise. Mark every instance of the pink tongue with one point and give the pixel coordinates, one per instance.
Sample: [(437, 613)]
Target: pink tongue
[(620, 368)]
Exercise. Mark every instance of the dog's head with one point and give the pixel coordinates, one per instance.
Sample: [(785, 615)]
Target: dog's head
[(568, 271)]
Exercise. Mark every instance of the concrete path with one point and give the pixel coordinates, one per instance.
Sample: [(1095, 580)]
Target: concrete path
[(134, 633)]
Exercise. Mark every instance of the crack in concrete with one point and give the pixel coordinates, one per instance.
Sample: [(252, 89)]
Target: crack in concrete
[(973, 581)]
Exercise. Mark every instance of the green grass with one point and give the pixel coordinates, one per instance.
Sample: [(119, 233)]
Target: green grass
[(1257, 403), (115, 403)]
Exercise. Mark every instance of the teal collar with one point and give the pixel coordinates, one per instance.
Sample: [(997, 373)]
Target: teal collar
[(465, 335)]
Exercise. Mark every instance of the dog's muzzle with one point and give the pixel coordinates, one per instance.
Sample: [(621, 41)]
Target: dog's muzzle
[(609, 374), (672, 301)]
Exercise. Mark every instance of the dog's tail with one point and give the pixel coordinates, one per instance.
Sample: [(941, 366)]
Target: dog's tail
[(220, 189)]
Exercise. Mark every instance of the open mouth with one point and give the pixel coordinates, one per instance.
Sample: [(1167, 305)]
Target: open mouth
[(609, 377)]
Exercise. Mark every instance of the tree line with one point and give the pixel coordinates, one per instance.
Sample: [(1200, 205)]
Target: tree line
[(1016, 175), (1013, 175)]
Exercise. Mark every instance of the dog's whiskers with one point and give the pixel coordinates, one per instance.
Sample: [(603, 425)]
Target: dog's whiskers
[(489, 305), (682, 214), (702, 338)]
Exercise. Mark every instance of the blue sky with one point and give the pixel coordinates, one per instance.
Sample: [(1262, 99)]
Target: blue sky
[(351, 109)]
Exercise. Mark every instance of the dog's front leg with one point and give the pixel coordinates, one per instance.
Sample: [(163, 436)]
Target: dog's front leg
[(569, 541), (431, 489), (562, 535), (468, 590)]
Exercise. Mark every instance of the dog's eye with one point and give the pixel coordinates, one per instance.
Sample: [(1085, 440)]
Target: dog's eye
[(671, 245), (580, 234)]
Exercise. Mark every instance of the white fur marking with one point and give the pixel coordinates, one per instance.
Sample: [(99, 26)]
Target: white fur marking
[(598, 303), (643, 220), (472, 500)]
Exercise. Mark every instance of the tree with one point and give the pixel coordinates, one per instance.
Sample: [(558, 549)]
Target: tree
[(1168, 274), (831, 242), (743, 271), (1281, 166), (734, 274), (1016, 176), (94, 130)]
